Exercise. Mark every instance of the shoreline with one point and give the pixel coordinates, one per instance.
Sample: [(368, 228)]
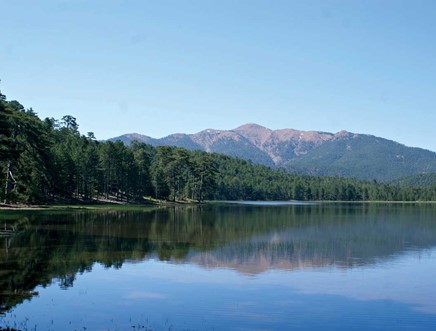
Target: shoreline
[(110, 204)]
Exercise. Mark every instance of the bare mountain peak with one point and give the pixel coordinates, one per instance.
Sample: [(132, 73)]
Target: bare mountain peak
[(342, 133), (255, 133), (130, 137), (251, 127), (136, 135)]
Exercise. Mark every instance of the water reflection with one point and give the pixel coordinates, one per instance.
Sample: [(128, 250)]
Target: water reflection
[(250, 239)]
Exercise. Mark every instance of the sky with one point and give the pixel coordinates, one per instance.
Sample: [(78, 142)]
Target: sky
[(161, 67)]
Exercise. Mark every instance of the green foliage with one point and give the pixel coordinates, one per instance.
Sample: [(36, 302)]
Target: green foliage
[(242, 180), (50, 161), (419, 181), (25, 155), (8, 148)]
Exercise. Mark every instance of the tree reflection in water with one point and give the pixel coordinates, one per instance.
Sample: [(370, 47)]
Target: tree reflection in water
[(50, 247)]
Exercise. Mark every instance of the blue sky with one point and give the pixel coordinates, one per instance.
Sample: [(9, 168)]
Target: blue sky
[(160, 67)]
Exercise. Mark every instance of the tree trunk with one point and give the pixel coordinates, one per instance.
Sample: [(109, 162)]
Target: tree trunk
[(174, 186), (200, 193), (8, 185)]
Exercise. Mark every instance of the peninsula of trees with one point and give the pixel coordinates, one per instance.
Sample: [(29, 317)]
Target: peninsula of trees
[(49, 161)]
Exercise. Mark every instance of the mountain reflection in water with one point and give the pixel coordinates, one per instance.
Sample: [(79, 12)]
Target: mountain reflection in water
[(247, 238)]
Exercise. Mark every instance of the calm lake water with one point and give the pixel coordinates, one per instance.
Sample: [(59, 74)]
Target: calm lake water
[(222, 267)]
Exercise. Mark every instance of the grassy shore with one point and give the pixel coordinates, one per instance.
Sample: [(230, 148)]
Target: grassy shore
[(98, 205)]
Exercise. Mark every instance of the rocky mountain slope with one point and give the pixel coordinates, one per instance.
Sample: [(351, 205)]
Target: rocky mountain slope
[(309, 152)]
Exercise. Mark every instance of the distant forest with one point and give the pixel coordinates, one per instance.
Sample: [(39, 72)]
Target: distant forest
[(50, 161)]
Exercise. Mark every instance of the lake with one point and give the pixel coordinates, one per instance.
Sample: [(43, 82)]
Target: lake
[(221, 266)]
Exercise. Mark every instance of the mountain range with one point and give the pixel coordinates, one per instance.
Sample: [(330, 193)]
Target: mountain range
[(343, 153)]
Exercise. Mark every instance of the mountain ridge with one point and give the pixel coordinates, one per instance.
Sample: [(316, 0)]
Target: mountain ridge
[(343, 153)]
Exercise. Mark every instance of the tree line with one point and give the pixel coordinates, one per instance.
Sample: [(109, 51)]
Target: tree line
[(240, 179), (49, 161)]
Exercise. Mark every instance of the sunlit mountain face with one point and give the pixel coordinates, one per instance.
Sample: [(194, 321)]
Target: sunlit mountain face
[(310, 152)]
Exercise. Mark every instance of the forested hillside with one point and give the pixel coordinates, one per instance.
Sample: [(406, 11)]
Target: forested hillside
[(240, 179), (343, 154), (50, 161), (365, 157), (421, 180)]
